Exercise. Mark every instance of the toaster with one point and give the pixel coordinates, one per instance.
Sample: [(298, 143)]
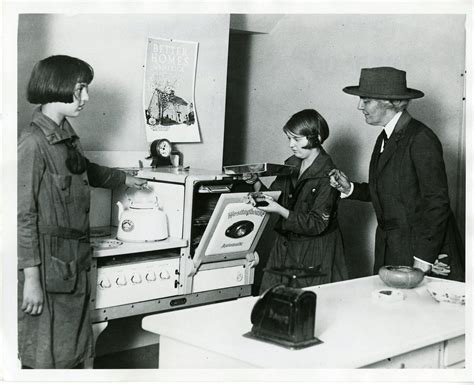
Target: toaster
[(285, 316)]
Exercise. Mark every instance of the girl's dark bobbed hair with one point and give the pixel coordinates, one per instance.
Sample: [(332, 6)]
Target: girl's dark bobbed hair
[(53, 79), (309, 123)]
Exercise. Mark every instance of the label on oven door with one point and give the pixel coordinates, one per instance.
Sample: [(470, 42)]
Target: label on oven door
[(236, 229), (233, 230)]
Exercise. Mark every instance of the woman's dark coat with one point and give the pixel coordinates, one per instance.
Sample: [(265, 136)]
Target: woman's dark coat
[(409, 191), (310, 236)]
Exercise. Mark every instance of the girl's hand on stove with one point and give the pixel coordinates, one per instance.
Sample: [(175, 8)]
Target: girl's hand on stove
[(134, 182)]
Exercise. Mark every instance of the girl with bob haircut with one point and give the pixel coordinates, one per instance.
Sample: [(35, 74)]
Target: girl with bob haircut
[(308, 123), (54, 79), (54, 253), (308, 235)]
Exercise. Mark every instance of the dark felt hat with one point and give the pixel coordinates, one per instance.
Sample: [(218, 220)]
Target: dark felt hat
[(383, 83)]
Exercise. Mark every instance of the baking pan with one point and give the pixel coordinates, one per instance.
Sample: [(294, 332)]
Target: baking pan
[(261, 169)]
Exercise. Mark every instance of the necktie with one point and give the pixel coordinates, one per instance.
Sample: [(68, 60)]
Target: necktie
[(384, 140), (75, 161)]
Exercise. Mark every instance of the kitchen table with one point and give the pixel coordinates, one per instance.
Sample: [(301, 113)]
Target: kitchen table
[(357, 331)]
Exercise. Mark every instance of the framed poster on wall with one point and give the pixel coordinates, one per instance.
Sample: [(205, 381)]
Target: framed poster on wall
[(168, 95)]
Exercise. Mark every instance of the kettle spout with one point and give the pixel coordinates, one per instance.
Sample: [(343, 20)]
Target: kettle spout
[(120, 209)]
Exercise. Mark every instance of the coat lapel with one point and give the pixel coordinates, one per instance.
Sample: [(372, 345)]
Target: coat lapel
[(392, 143), (296, 163), (314, 170)]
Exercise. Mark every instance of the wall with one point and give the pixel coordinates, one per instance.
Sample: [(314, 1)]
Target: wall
[(115, 44), (306, 60)]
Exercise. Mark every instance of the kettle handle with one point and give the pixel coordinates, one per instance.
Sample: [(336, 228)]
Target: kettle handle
[(120, 209), (131, 201)]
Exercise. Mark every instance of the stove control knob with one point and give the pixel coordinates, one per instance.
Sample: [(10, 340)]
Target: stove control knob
[(121, 280), (150, 277), (164, 274), (105, 283), (136, 278)]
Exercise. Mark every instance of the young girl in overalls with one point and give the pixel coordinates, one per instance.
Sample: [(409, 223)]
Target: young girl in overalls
[(54, 253)]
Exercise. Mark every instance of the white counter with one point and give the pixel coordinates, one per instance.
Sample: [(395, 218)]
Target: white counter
[(356, 330)]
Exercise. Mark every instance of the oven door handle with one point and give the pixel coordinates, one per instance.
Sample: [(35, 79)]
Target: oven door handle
[(253, 259)]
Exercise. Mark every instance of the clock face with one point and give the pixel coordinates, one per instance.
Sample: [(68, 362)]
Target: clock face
[(164, 148)]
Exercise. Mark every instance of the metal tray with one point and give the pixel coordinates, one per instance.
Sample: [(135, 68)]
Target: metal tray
[(261, 169)]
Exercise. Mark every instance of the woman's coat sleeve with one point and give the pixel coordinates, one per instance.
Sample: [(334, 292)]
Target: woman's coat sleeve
[(434, 210)]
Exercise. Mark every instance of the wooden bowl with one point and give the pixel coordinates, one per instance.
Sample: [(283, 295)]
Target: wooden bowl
[(401, 277)]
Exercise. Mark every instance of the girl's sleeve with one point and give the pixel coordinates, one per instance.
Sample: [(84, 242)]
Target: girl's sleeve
[(106, 177), (31, 168)]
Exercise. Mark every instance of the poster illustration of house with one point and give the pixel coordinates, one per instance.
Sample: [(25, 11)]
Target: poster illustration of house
[(168, 97)]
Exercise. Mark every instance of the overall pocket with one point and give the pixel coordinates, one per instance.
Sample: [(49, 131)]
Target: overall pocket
[(61, 265), (62, 188)]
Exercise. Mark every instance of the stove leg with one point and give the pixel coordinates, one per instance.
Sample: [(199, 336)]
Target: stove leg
[(97, 328)]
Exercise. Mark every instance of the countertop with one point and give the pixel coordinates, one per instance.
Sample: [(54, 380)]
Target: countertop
[(356, 329)]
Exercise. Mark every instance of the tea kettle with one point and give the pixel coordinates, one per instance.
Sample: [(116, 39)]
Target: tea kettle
[(142, 221)]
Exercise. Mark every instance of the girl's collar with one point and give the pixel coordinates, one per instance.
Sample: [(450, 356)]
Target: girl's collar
[(314, 169), (53, 132)]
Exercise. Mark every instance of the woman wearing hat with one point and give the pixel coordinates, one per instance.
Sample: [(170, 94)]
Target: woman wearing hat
[(407, 181)]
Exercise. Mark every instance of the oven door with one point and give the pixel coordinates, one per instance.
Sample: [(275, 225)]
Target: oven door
[(233, 231)]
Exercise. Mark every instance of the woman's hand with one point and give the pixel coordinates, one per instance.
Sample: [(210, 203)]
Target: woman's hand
[(32, 292), (441, 268), (438, 267), (134, 182), (339, 181)]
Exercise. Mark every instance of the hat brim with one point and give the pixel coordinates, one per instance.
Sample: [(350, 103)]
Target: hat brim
[(409, 94)]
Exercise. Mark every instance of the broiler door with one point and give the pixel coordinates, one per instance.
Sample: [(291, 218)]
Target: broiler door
[(233, 231)]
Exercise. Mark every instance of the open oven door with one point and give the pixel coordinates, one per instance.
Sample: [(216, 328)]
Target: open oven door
[(232, 233)]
